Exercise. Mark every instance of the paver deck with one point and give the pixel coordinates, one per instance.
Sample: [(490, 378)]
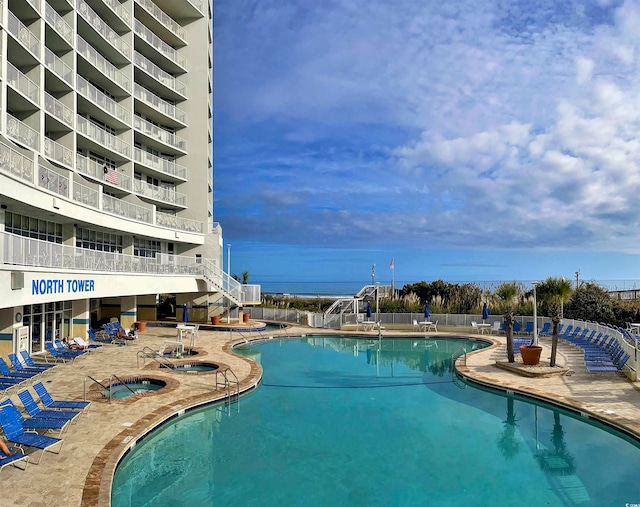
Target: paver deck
[(81, 474)]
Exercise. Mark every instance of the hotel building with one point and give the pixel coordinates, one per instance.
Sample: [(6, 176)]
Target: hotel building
[(106, 174)]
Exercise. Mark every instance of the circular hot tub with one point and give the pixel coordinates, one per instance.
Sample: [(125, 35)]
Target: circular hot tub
[(199, 367), (131, 386)]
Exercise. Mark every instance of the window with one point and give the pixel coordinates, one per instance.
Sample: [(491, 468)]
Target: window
[(32, 227), (98, 240), (145, 247)]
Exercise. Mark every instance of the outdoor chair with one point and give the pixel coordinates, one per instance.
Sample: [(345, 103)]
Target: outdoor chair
[(35, 411), (496, 327), (28, 360), (474, 326), (35, 423), (13, 460), (528, 328), (50, 403), (546, 329), (6, 372), (19, 367)]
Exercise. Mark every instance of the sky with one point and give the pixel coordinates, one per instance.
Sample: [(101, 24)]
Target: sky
[(468, 140)]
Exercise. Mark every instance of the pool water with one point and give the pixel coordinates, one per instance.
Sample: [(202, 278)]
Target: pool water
[(120, 391), (194, 368), (340, 421)]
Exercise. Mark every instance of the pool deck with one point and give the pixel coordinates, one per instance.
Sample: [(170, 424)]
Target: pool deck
[(81, 474)]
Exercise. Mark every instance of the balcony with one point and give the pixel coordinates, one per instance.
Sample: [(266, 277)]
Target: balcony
[(102, 137), (126, 209), (162, 194), (14, 163), (181, 224), (105, 31), (159, 134), (55, 21), (58, 67), (163, 19), (160, 105), (159, 164), (58, 153), (23, 35), (160, 46), (84, 195), (164, 78), (22, 133), (23, 84), (107, 104), (95, 170), (119, 10), (58, 110), (53, 182), (89, 53)]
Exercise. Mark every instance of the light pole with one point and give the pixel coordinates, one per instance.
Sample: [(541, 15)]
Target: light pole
[(535, 315), (229, 281), (373, 273), (377, 306)]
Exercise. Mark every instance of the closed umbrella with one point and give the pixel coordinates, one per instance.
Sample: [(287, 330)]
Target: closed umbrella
[(485, 312), (369, 314), (185, 314), (427, 314)]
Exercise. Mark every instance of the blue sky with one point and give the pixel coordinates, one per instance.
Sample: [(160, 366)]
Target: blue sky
[(468, 139)]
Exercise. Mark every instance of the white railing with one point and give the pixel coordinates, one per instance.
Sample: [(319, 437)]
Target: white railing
[(223, 281), (52, 181), (96, 171), (90, 54), (163, 194), (159, 164), (156, 42), (163, 18), (158, 133), (179, 223), (100, 135), (58, 152), (35, 4), (126, 209), (16, 164), (161, 105), (23, 251), (58, 67), (85, 195), (23, 133), (119, 10), (160, 75), (58, 110), (99, 25), (58, 23), (25, 36), (23, 84), (91, 93)]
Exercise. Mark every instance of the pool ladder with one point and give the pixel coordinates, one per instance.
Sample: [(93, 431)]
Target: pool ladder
[(89, 377), (226, 382), (150, 353)]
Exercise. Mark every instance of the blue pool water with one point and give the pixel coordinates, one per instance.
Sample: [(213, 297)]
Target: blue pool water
[(346, 422), (121, 391)]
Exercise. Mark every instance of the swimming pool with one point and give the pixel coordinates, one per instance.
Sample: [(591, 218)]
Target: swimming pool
[(341, 421)]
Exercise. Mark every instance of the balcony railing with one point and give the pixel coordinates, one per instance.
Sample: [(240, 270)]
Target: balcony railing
[(120, 10), (161, 46), (158, 133), (126, 209), (161, 105), (58, 110), (58, 67), (85, 195), (159, 164), (91, 93), (52, 181), (23, 84), (98, 24), (160, 75), (157, 193), (22, 133), (25, 36), (163, 18), (90, 54), (96, 171), (58, 24), (16, 164), (179, 223), (55, 151), (101, 136)]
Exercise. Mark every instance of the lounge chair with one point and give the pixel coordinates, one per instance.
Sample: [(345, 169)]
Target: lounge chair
[(28, 360), (6, 372), (36, 423), (35, 411), (50, 403), (516, 326), (93, 336), (14, 433), (13, 460), (61, 347), (528, 328), (19, 367), (546, 329), (59, 356)]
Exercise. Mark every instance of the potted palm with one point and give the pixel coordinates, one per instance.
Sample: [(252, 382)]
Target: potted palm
[(554, 291), (507, 293)]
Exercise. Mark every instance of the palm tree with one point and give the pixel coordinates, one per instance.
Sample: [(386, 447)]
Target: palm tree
[(554, 291), (508, 294)]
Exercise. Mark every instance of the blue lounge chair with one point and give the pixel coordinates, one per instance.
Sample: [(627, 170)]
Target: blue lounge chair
[(35, 411), (516, 326), (546, 329), (60, 347), (19, 367), (59, 356), (35, 423), (28, 360), (50, 403), (6, 372), (94, 337), (14, 433), (528, 328), (13, 460)]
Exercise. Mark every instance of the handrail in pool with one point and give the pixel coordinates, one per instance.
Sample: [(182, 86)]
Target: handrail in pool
[(121, 382)]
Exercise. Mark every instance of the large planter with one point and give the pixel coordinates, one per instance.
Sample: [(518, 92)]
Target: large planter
[(245, 317), (141, 326), (530, 354), (215, 320)]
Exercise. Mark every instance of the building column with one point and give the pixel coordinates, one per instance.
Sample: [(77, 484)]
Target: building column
[(80, 318), (128, 311)]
